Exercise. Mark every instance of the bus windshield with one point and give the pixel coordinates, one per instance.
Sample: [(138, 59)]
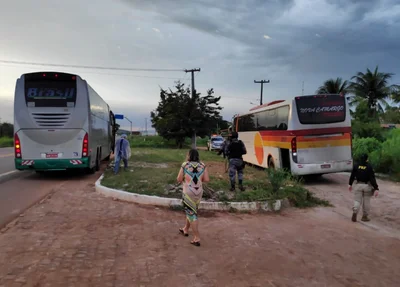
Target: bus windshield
[(50, 90), (321, 109)]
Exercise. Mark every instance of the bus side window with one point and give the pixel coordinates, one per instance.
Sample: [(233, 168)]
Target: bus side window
[(267, 120), (283, 117)]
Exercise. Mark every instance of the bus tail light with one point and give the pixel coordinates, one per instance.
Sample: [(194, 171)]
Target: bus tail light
[(17, 146), (294, 146), (294, 149), (85, 146)]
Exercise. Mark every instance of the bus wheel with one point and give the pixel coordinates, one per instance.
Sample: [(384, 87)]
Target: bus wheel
[(271, 163)]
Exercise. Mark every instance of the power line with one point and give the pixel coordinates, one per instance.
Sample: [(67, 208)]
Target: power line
[(89, 67), (108, 74)]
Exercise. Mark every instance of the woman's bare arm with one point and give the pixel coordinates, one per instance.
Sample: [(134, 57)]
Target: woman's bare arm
[(180, 176), (206, 177)]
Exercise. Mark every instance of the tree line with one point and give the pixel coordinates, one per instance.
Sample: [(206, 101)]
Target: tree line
[(6, 130)]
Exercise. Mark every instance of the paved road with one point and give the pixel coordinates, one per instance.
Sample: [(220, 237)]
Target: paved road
[(6, 159), (20, 193), (80, 238)]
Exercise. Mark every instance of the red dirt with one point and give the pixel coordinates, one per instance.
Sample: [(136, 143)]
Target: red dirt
[(79, 238)]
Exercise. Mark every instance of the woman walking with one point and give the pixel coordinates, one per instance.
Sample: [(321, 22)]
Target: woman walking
[(192, 174)]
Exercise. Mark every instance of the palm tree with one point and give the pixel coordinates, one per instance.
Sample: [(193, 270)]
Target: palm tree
[(372, 87), (333, 86)]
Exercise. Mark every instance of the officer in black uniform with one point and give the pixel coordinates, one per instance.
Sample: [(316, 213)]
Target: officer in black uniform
[(235, 151), (364, 188)]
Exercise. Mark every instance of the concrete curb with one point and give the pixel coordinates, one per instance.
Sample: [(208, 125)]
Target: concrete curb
[(10, 175), (171, 202)]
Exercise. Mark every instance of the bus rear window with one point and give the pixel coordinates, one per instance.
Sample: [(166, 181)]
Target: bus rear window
[(50, 90), (321, 109)]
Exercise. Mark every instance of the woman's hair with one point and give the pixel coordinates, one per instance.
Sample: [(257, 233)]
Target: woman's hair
[(193, 155)]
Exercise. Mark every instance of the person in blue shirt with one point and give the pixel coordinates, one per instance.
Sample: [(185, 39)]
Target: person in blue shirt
[(121, 152)]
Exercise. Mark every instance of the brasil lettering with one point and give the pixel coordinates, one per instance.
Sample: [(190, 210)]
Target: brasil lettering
[(322, 109), (63, 93)]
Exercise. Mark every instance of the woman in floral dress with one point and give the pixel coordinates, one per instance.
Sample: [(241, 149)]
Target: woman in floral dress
[(192, 174)]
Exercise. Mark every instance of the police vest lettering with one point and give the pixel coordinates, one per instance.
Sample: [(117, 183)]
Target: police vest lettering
[(362, 167)]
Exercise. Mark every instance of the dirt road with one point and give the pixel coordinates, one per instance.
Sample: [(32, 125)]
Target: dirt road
[(79, 238), (385, 209)]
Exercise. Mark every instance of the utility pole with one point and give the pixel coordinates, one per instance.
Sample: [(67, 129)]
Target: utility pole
[(262, 82), (193, 93), (145, 124), (130, 122)]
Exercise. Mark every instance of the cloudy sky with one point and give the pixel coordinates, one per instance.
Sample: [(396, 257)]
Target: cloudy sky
[(233, 42)]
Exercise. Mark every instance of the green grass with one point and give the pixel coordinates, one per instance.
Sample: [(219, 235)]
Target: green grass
[(156, 169), (159, 155), (6, 142), (153, 170), (159, 142)]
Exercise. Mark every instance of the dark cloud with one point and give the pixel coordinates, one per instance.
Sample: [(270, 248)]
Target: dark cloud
[(296, 29)]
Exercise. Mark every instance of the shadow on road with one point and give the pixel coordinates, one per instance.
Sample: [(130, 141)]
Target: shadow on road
[(71, 174), (321, 179)]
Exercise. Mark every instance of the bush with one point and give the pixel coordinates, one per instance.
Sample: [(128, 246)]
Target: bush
[(387, 159), (6, 142), (365, 146), (384, 157), (367, 130), (285, 185)]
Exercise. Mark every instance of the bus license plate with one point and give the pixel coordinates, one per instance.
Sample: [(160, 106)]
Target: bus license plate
[(51, 155), (325, 166)]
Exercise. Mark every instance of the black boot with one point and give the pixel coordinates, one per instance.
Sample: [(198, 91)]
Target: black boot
[(354, 217), (232, 187), (241, 185)]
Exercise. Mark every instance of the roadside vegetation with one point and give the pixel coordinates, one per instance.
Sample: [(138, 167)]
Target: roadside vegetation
[(159, 142), (6, 135), (153, 171), (6, 142)]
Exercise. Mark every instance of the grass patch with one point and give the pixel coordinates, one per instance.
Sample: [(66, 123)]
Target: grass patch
[(155, 171), (6, 142), (159, 142)]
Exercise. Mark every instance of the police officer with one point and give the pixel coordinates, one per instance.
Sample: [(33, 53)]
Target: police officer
[(235, 151), (364, 188), (224, 146)]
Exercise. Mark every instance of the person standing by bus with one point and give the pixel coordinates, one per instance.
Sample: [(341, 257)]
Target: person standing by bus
[(224, 146), (365, 187), (122, 151), (235, 151)]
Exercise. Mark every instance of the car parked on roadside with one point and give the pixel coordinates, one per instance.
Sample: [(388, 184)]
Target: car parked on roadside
[(215, 143)]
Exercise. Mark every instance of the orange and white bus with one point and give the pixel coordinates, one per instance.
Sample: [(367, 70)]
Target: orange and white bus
[(306, 135)]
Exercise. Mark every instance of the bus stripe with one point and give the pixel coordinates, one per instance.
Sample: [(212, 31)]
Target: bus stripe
[(308, 144), (306, 132)]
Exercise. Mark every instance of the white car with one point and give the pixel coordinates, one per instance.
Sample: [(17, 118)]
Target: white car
[(215, 143)]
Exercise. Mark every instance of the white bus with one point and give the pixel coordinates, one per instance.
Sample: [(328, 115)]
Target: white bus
[(60, 123), (305, 135)]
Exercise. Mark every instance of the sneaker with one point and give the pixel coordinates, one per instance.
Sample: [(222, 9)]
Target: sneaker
[(354, 217), (365, 218)]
